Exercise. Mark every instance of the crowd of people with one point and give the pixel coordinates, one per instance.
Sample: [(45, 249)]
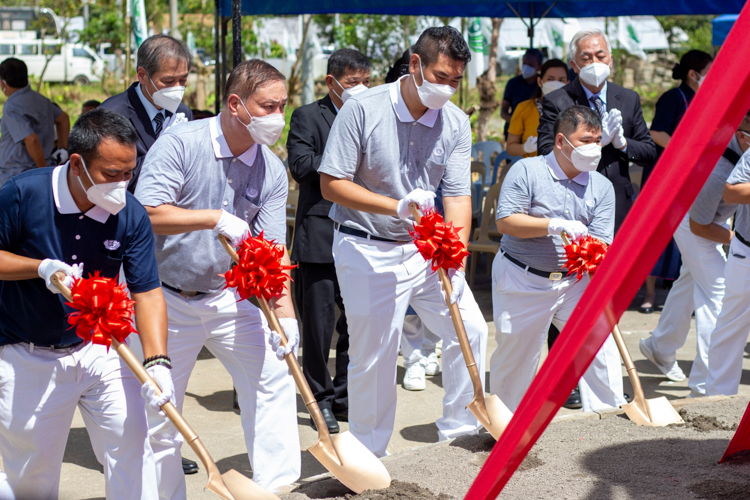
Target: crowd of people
[(140, 187)]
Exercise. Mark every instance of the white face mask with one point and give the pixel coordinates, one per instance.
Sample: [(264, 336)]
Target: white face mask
[(350, 92), (110, 196), (700, 79), (168, 98), (595, 74), (527, 71), (433, 95), (264, 129), (585, 158), (551, 86)]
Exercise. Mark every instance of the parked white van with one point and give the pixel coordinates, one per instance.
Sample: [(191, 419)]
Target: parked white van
[(70, 62)]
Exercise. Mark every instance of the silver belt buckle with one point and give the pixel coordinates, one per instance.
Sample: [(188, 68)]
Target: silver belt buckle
[(555, 276), (188, 294)]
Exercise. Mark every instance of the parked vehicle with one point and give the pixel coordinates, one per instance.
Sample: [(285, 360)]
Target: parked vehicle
[(69, 62), (30, 19)]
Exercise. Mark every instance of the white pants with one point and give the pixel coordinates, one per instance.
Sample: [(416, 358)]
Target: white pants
[(699, 288), (379, 280), (730, 335), (237, 334), (417, 342), (524, 305), (39, 391)]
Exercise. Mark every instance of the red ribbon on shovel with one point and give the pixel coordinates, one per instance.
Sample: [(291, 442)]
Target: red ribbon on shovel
[(439, 242), (585, 256)]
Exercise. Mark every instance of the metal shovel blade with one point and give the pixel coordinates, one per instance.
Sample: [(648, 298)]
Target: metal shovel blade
[(661, 411), (492, 414), (241, 487), (351, 463)]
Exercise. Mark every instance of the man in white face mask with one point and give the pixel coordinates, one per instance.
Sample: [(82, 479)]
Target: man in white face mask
[(219, 176), (541, 198), (625, 136), (388, 147)]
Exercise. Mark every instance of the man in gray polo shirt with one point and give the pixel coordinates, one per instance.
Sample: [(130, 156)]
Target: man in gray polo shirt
[(541, 197), (218, 176), (700, 288), (728, 339), (390, 146)]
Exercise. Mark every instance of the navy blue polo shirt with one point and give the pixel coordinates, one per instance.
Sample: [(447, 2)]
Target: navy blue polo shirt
[(518, 90), (39, 219)]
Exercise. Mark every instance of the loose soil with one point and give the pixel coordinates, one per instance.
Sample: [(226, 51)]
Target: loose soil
[(608, 458)]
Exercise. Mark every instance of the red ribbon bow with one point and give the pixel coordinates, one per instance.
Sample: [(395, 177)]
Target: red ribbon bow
[(439, 242), (585, 256), (104, 310), (259, 271)]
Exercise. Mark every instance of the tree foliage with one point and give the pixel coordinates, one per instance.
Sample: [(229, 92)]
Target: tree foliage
[(698, 29)]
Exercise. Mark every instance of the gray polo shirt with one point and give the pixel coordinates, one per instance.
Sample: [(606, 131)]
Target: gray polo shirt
[(741, 175), (25, 112), (376, 143), (538, 187), (709, 207), (190, 166)]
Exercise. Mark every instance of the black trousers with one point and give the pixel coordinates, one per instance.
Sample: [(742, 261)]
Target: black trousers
[(317, 292)]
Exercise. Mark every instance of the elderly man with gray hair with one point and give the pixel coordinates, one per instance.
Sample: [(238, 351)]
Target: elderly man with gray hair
[(155, 103)]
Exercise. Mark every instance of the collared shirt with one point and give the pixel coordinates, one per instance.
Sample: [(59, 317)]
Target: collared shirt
[(602, 94), (24, 113), (709, 206), (40, 220), (538, 187), (191, 167), (518, 90), (741, 175), (377, 144), (151, 110)]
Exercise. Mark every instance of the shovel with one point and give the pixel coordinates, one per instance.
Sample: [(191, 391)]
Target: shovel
[(490, 411), (656, 412), (343, 455), (231, 485)]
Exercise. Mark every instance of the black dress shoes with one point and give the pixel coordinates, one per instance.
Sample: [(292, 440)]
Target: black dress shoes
[(189, 467), (574, 400), (341, 415), (333, 426)]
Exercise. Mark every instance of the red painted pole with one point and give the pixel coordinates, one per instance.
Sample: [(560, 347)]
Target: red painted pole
[(696, 146)]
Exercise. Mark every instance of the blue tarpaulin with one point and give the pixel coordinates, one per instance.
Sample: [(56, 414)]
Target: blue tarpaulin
[(484, 8), (720, 28)]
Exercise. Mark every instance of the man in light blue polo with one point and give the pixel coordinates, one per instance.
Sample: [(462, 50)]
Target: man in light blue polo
[(541, 197)]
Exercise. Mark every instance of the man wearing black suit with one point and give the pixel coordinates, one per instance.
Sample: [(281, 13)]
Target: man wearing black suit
[(154, 103), (625, 136), (316, 286)]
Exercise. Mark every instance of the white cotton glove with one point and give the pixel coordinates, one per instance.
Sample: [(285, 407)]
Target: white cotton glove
[(48, 267), (425, 201), (60, 156), (575, 229), (163, 378), (234, 228), (291, 330), (607, 123), (458, 283), (616, 130), (530, 145)]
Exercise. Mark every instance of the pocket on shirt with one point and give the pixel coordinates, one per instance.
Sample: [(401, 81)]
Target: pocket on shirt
[(246, 210), (107, 265)]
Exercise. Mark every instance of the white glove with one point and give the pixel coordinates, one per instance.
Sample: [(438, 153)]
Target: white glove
[(48, 267), (234, 228), (616, 130), (530, 145), (425, 201), (60, 156), (575, 229), (291, 330), (458, 283), (163, 378), (606, 133)]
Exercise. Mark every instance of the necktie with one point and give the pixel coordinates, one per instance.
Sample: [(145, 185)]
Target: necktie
[(598, 104), (159, 119)]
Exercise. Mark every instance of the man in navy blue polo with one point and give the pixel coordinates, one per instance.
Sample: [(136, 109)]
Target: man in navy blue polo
[(63, 219)]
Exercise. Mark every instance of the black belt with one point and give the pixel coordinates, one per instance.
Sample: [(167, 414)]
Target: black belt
[(742, 240), (556, 276), (184, 293), (362, 234)]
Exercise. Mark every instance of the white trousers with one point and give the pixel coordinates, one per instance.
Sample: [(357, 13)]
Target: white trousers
[(379, 280), (699, 288), (237, 334), (39, 391), (417, 342), (730, 335), (524, 305)]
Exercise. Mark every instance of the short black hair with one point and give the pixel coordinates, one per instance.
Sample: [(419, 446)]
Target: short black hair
[(249, 76), (93, 103), (445, 40), (155, 49), (14, 72), (538, 54), (697, 60), (95, 126), (577, 116), (344, 61)]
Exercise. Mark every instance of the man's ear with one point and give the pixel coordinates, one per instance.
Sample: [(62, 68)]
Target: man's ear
[(75, 164), (559, 140)]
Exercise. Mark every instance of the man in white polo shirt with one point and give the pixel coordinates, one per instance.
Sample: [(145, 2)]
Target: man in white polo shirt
[(390, 146)]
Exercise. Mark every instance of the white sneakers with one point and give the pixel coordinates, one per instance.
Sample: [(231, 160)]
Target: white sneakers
[(431, 365), (414, 378), (673, 373)]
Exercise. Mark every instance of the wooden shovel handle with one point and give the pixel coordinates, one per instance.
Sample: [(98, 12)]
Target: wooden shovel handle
[(458, 322)]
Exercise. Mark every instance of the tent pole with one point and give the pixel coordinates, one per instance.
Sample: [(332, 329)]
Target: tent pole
[(236, 33), (531, 26), (217, 59), (224, 22)]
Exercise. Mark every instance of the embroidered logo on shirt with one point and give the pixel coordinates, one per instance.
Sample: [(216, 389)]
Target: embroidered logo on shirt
[(251, 192), (111, 244), (439, 152)]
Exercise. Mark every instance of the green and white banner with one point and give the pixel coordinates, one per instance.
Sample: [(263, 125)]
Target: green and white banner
[(476, 46), (137, 12)]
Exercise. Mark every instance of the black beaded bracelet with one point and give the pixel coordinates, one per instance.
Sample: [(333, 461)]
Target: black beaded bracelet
[(160, 361), (154, 358)]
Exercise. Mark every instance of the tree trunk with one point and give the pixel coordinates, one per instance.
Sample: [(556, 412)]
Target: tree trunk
[(486, 85), (294, 83)]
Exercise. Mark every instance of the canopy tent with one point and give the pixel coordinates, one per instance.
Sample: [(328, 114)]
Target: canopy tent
[(720, 28)]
